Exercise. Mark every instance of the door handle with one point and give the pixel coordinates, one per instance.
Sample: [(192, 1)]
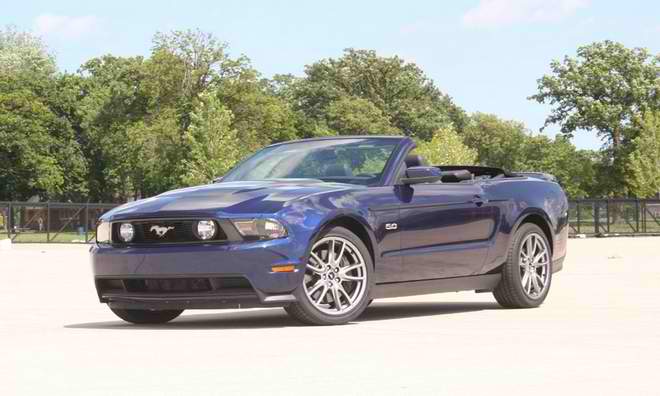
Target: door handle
[(477, 200)]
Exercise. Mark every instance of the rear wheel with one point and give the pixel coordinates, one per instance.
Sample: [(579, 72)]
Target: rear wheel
[(335, 288), (527, 273), (140, 316)]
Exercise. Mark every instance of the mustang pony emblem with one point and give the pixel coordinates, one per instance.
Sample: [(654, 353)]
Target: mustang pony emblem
[(160, 231)]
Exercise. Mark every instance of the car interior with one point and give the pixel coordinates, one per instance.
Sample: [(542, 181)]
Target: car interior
[(456, 173)]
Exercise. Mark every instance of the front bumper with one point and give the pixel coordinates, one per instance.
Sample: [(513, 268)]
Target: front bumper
[(195, 276)]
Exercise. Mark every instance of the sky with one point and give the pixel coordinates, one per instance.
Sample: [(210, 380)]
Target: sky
[(486, 54)]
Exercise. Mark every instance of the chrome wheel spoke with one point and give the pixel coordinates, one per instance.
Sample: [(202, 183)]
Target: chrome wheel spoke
[(343, 291), (541, 259), (317, 259), (341, 254), (318, 270), (535, 284), (539, 281), (352, 278), (315, 288), (331, 253), (344, 270), (525, 278), (336, 299), (323, 293)]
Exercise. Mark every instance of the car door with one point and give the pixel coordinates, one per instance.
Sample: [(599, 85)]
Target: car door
[(444, 229)]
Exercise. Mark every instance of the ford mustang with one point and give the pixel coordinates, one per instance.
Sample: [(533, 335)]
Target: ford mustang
[(323, 226)]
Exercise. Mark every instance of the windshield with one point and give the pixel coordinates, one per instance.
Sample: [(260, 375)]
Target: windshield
[(356, 161)]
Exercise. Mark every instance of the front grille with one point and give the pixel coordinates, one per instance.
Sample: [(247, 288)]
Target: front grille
[(171, 231), (173, 286)]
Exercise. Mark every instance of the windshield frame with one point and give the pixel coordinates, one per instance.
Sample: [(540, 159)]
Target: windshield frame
[(384, 178)]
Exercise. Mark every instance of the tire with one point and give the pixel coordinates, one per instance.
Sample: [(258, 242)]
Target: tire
[(525, 284), (140, 316), (324, 276)]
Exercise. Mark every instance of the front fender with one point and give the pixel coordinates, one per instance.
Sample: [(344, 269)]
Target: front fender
[(366, 225), (309, 217)]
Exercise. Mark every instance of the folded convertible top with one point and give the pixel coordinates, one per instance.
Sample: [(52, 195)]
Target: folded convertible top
[(476, 170)]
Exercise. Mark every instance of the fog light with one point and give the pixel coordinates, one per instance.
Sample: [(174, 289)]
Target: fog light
[(206, 229), (126, 232)]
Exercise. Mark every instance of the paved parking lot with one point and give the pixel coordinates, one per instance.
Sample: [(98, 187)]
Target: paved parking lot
[(598, 333)]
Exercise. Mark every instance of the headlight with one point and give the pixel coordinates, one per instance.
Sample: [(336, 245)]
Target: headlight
[(126, 232), (205, 229), (260, 228), (103, 234)]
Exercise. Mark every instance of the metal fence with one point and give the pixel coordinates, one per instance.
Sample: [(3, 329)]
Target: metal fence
[(50, 222), (53, 222), (614, 216)]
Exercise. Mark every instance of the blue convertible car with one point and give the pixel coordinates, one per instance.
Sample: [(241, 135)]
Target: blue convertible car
[(323, 226)]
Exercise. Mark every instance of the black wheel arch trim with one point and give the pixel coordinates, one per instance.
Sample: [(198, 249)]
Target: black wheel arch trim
[(535, 212), (323, 226)]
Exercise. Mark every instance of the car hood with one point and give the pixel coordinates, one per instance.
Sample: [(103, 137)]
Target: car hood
[(227, 197)]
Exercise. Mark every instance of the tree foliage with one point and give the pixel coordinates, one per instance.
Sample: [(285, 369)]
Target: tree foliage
[(39, 153), (605, 88), (214, 146), (644, 162), (446, 148), (509, 145), (498, 142), (123, 128), (397, 96), (21, 52)]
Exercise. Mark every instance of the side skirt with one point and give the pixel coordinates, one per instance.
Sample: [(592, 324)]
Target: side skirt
[(413, 288)]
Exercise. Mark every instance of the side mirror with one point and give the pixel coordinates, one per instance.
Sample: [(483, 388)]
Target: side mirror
[(422, 174), (217, 179)]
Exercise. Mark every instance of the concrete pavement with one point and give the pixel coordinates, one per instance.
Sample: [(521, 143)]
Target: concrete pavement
[(598, 333)]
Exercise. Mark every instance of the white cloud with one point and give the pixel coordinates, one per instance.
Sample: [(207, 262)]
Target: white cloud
[(65, 27), (491, 13)]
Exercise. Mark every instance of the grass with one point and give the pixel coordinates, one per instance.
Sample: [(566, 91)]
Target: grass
[(42, 237)]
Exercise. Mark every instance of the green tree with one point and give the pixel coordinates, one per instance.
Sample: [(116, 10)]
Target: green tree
[(39, 152), (214, 146), (644, 161), (21, 52), (499, 143), (407, 98), (446, 148), (605, 88), (357, 116), (509, 145), (112, 101), (136, 112), (260, 117), (574, 169)]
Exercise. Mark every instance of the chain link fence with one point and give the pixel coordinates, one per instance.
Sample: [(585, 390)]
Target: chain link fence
[(52, 222), (614, 216)]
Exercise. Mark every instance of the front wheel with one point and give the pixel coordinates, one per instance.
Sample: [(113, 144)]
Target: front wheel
[(337, 280), (140, 316), (527, 273)]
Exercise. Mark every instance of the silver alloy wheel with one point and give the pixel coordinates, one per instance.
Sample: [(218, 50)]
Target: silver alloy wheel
[(534, 265), (335, 276)]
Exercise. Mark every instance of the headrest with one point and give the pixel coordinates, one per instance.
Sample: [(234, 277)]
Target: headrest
[(415, 160), (340, 169)]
